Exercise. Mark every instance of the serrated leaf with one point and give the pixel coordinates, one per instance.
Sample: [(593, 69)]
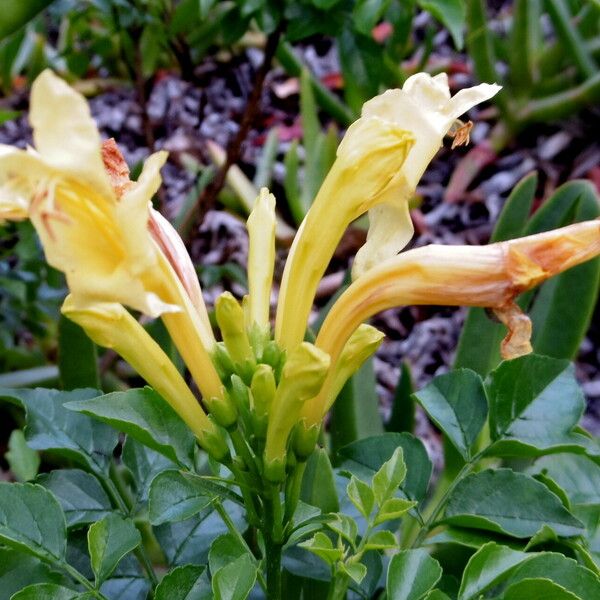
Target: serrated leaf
[(510, 503), (364, 457), (23, 461), (361, 495), (381, 540), (50, 426), (236, 580), (225, 550), (184, 583), (388, 478), (109, 540), (32, 521), (457, 403), (322, 546), (344, 526), (411, 574), (535, 405), (46, 591), (80, 495), (176, 496), (145, 416), (356, 571), (393, 508)]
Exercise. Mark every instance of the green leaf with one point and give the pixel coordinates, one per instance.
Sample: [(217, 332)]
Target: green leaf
[(16, 13), (225, 550), (51, 427), (145, 416), (457, 403), (486, 568), (563, 571), (345, 527), (80, 495), (361, 495), (393, 508), (22, 460), (46, 591), (176, 496), (381, 540), (510, 503), (411, 574), (143, 464), (356, 571), (355, 414), (77, 357), (389, 477), (17, 570), (450, 13), (367, 13), (32, 521), (403, 405), (236, 580), (318, 483), (109, 540), (322, 546), (535, 404), (479, 343), (189, 541), (364, 457), (183, 583), (538, 589), (577, 475)]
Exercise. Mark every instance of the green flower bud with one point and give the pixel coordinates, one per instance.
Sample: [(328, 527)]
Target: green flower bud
[(230, 317), (263, 388)]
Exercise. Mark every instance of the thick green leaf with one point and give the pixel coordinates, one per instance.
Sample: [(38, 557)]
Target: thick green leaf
[(109, 540), (361, 495), (535, 403), (318, 483), (176, 496), (32, 521), (490, 564), (51, 427), (188, 542), (183, 583), (322, 546), (46, 591), (510, 503), (355, 414), (563, 571), (236, 580), (393, 508), (77, 357), (364, 457), (451, 13), (23, 461), (145, 416), (479, 343), (457, 404), (538, 589), (143, 464), (411, 574), (578, 476), (80, 495), (225, 550), (17, 570)]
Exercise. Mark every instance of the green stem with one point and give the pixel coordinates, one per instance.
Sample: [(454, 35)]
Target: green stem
[(249, 498), (234, 531), (273, 562), (339, 587), (243, 451), (79, 578), (292, 491), (431, 518)]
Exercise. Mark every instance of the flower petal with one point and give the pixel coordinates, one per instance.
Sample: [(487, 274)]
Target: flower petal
[(64, 132)]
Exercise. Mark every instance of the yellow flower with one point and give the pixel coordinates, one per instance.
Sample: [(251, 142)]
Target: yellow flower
[(378, 166), (111, 326), (487, 276)]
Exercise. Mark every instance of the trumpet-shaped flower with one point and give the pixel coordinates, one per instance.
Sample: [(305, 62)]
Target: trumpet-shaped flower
[(487, 276), (111, 326), (378, 166)]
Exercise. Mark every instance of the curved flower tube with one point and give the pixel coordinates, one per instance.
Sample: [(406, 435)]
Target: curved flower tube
[(111, 326), (379, 163), (487, 276)]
